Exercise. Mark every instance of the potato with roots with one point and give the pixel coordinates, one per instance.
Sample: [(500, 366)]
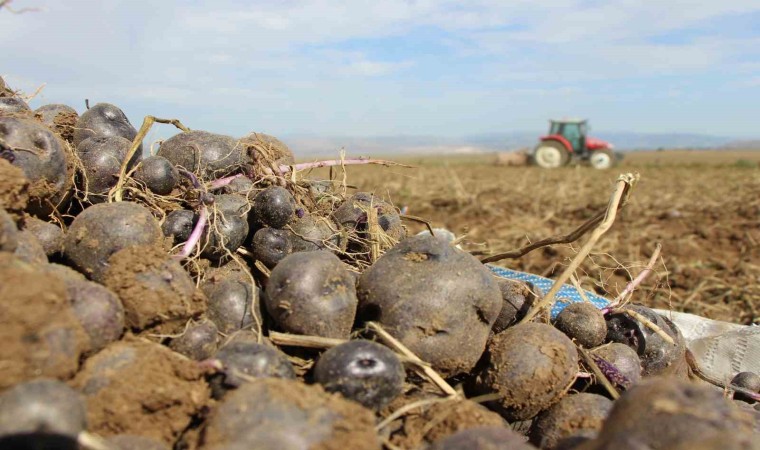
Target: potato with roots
[(41, 414), (49, 235), (42, 156), (231, 297), (311, 232), (531, 365), (260, 146), (207, 155), (287, 414), (61, 119), (582, 322), (437, 300), (668, 413), (179, 225), (102, 230), (227, 228), (579, 415), (198, 341), (158, 175), (312, 293), (353, 216), (104, 119), (483, 438), (102, 157)]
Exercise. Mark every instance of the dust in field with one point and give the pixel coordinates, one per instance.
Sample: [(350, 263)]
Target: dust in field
[(705, 212)]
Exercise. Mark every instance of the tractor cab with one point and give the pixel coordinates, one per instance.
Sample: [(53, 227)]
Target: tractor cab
[(568, 139)]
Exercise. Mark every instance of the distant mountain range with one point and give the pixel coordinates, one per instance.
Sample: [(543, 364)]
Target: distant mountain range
[(305, 145)]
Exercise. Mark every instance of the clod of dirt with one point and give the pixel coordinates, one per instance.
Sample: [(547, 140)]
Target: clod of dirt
[(62, 119), (41, 411), (198, 341), (441, 420), (8, 233), (483, 438), (41, 335), (363, 371), (14, 189), (575, 415), (65, 273), (42, 156), (312, 293), (208, 155), (439, 301), (99, 311), (669, 413), (516, 298), (531, 365), (658, 357), (49, 235), (260, 148), (289, 414), (104, 119), (155, 290), (158, 174), (101, 157), (584, 323), (134, 442), (29, 249), (138, 387), (243, 360), (623, 357), (101, 230)]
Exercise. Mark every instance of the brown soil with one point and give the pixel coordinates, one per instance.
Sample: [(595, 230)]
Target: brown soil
[(155, 290), (63, 125), (41, 336), (290, 408), (138, 387), (14, 189), (436, 422)]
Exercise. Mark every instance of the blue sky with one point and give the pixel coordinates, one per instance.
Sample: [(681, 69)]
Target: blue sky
[(371, 68)]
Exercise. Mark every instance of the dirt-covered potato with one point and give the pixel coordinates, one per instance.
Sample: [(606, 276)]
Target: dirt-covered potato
[(575, 415), (49, 235), (231, 297), (206, 154), (517, 298), (101, 157), (14, 190), (623, 357), (8, 233), (439, 301), (62, 119), (658, 357), (42, 156), (263, 147), (310, 233), (104, 119), (101, 230), (227, 228), (40, 333), (158, 175), (363, 371), (287, 414), (29, 249), (243, 360), (41, 414), (138, 387), (483, 438), (312, 293), (583, 323), (669, 413), (198, 341), (155, 290), (532, 365)]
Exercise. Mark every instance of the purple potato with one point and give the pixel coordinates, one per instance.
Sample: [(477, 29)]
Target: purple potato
[(105, 119), (208, 155), (158, 174), (198, 341), (49, 235)]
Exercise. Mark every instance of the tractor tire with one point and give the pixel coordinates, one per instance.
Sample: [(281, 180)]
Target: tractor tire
[(603, 159), (550, 155)]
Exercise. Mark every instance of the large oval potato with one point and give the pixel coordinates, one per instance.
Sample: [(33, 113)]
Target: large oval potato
[(439, 301)]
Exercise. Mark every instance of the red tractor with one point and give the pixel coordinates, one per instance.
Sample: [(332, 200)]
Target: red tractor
[(566, 140)]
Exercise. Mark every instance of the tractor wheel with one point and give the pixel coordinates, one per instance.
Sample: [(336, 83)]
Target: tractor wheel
[(550, 155), (602, 159)]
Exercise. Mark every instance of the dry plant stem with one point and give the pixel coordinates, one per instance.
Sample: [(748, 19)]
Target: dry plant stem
[(90, 441), (407, 408), (195, 236), (116, 192), (578, 287), (418, 220), (296, 340), (423, 367), (697, 370), (633, 284), (624, 183), (336, 162), (599, 374), (649, 324)]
